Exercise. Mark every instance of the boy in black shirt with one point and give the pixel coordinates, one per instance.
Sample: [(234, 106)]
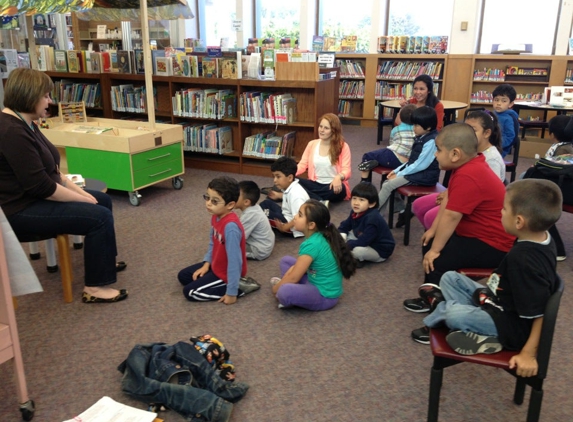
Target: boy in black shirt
[(508, 313)]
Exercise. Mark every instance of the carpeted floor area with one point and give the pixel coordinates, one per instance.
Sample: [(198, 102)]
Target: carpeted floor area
[(355, 362)]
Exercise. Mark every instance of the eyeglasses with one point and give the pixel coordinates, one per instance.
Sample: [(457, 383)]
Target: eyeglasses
[(214, 201)]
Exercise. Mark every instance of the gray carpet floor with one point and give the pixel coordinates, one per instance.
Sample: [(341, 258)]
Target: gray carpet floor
[(355, 362)]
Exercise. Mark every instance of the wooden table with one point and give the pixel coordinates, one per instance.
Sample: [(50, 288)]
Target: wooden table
[(450, 108)]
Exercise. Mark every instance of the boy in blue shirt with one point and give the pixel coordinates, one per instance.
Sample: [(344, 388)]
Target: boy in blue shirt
[(503, 98), (366, 233)]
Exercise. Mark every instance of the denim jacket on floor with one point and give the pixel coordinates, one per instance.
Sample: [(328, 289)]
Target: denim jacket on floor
[(180, 378)]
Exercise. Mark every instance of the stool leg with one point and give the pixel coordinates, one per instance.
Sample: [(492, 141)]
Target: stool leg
[(52, 264), (407, 219), (391, 211), (34, 251), (65, 266), (78, 241)]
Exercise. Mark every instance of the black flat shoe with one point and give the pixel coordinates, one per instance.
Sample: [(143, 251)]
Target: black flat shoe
[(120, 266), (402, 220), (368, 165), (265, 191), (87, 298)]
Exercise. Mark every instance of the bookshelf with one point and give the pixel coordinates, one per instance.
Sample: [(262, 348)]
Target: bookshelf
[(352, 86), (313, 99), (90, 79)]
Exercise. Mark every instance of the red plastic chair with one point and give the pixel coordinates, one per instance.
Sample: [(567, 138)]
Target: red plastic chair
[(444, 357)]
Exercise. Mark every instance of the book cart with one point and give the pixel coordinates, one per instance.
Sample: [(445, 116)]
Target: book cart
[(125, 155)]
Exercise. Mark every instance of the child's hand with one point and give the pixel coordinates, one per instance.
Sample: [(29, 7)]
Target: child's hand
[(429, 260), (201, 271), (275, 195), (525, 363), (391, 175), (228, 300), (403, 102), (281, 226)]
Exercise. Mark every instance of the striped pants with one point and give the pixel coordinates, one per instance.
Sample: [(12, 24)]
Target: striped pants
[(206, 288)]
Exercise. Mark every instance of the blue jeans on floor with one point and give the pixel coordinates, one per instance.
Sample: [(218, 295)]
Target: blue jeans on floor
[(95, 222), (458, 311), (384, 156), (302, 294), (322, 191)]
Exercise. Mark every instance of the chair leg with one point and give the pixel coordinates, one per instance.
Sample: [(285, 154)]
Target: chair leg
[(391, 210), (519, 392), (534, 405), (379, 134), (34, 251), (51, 263), (65, 266), (78, 241), (436, 376), (407, 220)]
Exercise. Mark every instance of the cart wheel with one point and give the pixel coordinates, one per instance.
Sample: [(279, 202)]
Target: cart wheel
[(27, 409), (134, 198), (177, 182)]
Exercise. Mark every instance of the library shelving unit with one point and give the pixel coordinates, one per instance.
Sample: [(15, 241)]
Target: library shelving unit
[(313, 99), (396, 72), (352, 86), (82, 79)]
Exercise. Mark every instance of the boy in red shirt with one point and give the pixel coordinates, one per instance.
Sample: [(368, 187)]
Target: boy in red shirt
[(221, 275), (467, 233)]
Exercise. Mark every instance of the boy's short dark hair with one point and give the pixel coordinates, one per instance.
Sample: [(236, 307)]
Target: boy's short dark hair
[(406, 113), (250, 191), (459, 135), (426, 117), (285, 165), (557, 127), (539, 201), (505, 89), (227, 187), (367, 191)]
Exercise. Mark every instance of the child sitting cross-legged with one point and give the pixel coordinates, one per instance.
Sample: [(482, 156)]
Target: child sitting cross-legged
[(365, 230), (259, 235), (221, 274), (508, 313), (313, 281)]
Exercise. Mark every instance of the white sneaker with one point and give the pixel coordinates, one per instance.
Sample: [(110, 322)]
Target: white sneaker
[(275, 281), (326, 202), (281, 306), (561, 258)]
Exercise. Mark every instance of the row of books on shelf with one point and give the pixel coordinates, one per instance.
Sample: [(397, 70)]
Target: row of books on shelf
[(269, 145), (351, 89), (208, 138), (495, 75), (346, 44), (388, 112), (131, 99), (345, 108), (267, 107), (66, 91), (569, 76), (205, 103), (393, 91), (350, 69), (408, 70), (487, 97), (405, 44)]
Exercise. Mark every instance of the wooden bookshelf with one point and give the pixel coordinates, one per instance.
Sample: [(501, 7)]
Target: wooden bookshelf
[(313, 99)]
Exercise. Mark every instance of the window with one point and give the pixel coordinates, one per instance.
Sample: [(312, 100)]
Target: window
[(420, 17), (540, 32), (278, 20), (218, 21), (339, 18)]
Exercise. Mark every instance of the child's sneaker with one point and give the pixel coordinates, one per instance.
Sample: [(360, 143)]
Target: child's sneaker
[(326, 202), (265, 191), (248, 285), (421, 335), (368, 165), (275, 281), (432, 294), (472, 343), (417, 305)]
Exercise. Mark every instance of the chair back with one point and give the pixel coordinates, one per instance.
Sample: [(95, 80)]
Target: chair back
[(548, 329)]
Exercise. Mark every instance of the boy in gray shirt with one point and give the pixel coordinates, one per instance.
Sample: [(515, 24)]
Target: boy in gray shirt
[(259, 235)]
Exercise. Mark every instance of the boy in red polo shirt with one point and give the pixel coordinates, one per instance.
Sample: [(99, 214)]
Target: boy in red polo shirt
[(221, 275), (467, 233)]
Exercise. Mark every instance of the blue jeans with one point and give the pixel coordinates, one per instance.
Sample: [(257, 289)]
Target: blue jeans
[(384, 156), (458, 311), (95, 222), (322, 191), (302, 294)]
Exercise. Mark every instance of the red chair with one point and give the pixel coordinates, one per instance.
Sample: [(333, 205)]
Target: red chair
[(476, 273), (383, 172), (444, 357), (411, 192)]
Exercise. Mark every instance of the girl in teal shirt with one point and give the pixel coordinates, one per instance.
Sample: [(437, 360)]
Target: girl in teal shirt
[(314, 280)]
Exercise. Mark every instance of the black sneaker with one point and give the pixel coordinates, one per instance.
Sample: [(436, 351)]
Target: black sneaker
[(402, 219), (418, 305), (359, 263), (421, 335), (248, 285), (472, 343), (431, 294), (368, 165), (265, 191)]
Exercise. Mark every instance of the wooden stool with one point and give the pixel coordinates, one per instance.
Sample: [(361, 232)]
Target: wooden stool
[(411, 192), (64, 259)]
